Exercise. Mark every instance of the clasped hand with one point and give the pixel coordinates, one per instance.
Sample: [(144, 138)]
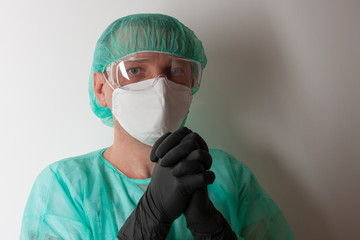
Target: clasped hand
[(180, 177)]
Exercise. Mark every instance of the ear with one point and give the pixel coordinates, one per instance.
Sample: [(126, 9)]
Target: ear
[(99, 88)]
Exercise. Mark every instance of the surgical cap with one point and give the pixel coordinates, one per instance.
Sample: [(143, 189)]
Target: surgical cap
[(141, 33)]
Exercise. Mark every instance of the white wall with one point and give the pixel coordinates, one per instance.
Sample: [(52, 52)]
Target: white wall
[(280, 92)]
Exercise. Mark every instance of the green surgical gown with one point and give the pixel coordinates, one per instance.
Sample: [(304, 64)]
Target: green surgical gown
[(85, 197)]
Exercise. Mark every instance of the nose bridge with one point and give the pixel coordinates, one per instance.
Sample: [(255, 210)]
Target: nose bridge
[(160, 67)]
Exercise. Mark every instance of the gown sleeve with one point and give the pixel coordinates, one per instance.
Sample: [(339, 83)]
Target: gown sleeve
[(256, 215), (51, 212), (262, 217)]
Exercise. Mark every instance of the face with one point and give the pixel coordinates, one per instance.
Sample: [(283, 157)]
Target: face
[(159, 65)]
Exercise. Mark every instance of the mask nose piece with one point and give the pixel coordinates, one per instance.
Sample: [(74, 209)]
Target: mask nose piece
[(162, 76)]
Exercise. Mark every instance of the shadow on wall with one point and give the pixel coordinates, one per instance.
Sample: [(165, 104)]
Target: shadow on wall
[(248, 74), (299, 207)]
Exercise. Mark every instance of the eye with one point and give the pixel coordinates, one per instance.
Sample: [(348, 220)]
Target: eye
[(175, 70), (134, 71)]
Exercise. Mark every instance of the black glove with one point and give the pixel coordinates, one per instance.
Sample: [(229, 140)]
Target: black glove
[(167, 195), (203, 219)]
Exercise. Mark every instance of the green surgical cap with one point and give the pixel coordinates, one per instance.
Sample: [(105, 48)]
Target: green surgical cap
[(141, 33)]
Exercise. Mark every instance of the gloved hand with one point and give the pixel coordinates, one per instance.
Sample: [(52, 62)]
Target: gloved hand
[(203, 219), (169, 190), (175, 176)]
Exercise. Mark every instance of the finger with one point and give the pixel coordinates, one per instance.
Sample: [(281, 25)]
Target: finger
[(153, 156), (191, 183), (178, 153), (171, 141), (187, 168), (198, 139), (200, 156)]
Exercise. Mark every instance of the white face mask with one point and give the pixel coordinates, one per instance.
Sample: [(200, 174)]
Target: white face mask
[(151, 108)]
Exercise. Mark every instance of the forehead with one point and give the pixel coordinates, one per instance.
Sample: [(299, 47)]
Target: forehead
[(149, 54)]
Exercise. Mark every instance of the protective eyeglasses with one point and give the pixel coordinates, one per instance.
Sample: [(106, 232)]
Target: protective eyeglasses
[(178, 70)]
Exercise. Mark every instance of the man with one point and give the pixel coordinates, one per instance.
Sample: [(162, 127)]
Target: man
[(158, 180)]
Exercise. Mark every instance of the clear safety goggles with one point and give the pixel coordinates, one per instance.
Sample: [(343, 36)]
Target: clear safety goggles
[(182, 71)]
